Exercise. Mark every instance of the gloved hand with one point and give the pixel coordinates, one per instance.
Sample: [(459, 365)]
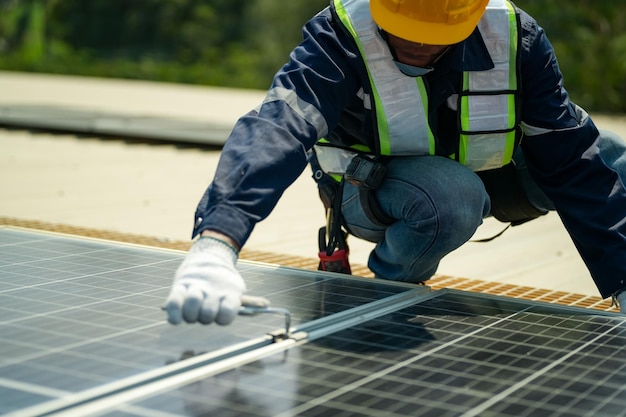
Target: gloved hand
[(207, 287)]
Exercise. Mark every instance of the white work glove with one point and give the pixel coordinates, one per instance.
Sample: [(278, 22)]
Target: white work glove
[(207, 287)]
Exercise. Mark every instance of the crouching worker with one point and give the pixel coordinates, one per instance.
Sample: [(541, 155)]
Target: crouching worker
[(428, 116)]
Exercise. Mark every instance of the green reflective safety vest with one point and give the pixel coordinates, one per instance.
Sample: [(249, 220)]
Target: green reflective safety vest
[(486, 106)]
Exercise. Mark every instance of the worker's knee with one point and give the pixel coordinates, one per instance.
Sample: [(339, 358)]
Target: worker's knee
[(435, 192), (612, 150), (433, 196)]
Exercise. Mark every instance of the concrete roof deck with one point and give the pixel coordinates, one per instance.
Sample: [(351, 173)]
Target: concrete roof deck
[(98, 180)]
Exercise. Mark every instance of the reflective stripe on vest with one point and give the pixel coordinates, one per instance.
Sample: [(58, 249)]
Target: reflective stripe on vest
[(400, 100), (488, 111), (487, 102)]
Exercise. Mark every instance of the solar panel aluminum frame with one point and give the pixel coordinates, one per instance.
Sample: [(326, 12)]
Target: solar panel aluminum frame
[(107, 396)]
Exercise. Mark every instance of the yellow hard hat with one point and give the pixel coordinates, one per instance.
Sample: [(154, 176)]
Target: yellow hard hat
[(433, 22)]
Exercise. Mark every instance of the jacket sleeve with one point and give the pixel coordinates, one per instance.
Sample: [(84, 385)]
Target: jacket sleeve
[(561, 146), (267, 148)]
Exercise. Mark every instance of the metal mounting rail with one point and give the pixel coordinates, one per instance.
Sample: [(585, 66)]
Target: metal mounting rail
[(109, 396)]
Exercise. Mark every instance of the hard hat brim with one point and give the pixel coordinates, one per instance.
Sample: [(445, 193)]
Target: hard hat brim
[(431, 33)]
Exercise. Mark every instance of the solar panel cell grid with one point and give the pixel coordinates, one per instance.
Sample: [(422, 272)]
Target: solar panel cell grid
[(78, 314), (411, 362)]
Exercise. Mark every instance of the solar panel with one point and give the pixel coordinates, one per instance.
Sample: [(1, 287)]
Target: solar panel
[(83, 335), (77, 313), (73, 119)]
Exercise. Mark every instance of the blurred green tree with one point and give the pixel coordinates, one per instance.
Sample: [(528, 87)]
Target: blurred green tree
[(238, 43), (241, 43), (589, 37), (22, 29)]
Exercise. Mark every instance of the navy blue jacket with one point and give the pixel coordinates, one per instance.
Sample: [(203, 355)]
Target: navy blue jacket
[(267, 149)]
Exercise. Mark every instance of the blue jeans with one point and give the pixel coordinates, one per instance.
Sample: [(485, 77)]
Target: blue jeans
[(438, 204), (613, 152)]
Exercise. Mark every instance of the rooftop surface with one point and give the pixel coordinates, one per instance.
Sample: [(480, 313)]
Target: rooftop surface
[(87, 176)]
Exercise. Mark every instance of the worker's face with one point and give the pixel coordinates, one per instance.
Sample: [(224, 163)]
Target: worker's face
[(416, 54)]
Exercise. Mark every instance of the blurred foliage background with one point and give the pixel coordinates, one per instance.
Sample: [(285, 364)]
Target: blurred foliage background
[(241, 43)]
